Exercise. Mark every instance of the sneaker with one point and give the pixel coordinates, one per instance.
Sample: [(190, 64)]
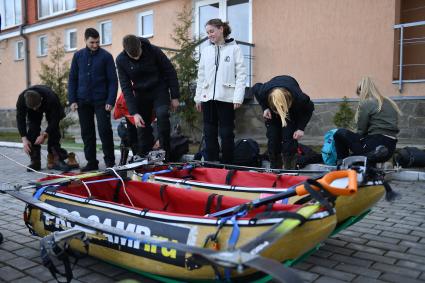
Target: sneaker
[(90, 167)]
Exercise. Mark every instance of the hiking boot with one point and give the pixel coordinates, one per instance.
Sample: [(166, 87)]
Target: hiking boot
[(275, 160), (290, 162), (35, 165), (50, 161), (35, 159), (90, 167), (72, 161), (58, 163)]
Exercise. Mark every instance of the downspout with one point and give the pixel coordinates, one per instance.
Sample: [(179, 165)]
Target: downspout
[(26, 43)]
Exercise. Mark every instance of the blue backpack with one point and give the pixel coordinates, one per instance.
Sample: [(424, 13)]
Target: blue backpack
[(328, 149)]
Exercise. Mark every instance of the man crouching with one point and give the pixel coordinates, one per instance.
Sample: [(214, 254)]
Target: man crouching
[(31, 106)]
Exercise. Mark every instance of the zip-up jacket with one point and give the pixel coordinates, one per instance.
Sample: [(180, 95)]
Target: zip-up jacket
[(221, 74), (301, 108), (92, 77), (50, 105), (150, 76), (372, 122)]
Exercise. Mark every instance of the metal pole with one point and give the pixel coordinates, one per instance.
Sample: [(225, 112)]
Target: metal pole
[(400, 74)]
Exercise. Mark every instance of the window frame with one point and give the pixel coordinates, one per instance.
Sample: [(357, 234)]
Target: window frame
[(17, 57), (68, 40), (3, 12), (101, 42), (39, 54), (140, 24), (54, 14)]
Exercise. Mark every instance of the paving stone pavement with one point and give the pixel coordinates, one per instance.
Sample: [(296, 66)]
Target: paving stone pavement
[(388, 245)]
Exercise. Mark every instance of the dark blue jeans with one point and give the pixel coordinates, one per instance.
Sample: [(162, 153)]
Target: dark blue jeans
[(347, 142), (219, 119), (86, 113)]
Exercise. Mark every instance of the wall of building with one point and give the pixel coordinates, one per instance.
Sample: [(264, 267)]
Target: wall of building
[(327, 45)]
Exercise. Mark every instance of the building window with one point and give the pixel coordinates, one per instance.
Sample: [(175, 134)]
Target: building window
[(145, 22), (19, 50), (70, 39), (11, 12), (48, 8), (42, 46), (105, 32), (409, 44)]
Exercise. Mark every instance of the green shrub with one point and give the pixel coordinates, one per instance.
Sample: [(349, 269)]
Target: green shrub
[(344, 118)]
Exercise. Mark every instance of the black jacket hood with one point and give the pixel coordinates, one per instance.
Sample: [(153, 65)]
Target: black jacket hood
[(302, 107)]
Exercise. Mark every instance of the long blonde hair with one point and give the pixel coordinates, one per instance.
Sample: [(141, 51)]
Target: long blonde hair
[(366, 90), (280, 100)]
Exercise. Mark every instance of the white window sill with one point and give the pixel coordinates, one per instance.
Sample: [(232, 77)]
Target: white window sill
[(106, 44), (147, 35), (19, 59), (57, 14), (41, 56), (70, 49)]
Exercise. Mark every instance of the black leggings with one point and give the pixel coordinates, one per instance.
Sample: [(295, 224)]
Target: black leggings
[(346, 141)]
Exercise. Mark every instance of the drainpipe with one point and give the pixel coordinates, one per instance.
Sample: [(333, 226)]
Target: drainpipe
[(26, 41)]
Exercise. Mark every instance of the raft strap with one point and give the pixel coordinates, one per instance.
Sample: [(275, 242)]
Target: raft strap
[(229, 176), (209, 202), (321, 195), (161, 194)]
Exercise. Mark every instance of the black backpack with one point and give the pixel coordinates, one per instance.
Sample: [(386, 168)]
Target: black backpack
[(246, 153), (306, 155), (410, 157), (179, 145)]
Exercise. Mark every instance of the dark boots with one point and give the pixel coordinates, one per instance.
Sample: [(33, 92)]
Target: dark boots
[(58, 163), (275, 160), (72, 161), (35, 159), (290, 162)]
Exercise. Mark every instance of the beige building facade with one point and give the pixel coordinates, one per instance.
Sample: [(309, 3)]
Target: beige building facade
[(327, 45)]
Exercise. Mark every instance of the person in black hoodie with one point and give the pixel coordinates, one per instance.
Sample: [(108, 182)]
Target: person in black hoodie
[(287, 110), (149, 83), (32, 104)]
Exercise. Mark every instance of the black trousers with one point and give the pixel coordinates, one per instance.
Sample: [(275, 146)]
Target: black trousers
[(86, 114), (145, 138), (219, 119), (34, 130), (346, 141), (280, 140)]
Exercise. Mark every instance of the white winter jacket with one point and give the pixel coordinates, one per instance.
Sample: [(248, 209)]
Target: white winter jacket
[(224, 81)]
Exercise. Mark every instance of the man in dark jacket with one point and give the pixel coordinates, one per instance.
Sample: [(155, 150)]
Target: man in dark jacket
[(92, 90), (148, 79), (284, 139), (32, 104)]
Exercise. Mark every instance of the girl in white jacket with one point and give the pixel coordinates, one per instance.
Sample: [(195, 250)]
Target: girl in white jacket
[(220, 89)]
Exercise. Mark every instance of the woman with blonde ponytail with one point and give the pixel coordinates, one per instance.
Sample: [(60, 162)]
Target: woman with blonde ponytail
[(377, 124), (287, 110)]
